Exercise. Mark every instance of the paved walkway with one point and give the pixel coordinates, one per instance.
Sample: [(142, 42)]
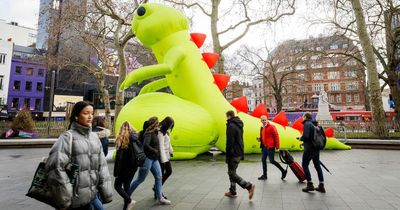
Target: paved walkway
[(362, 179)]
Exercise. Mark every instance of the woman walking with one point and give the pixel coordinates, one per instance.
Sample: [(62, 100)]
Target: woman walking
[(151, 148), (86, 152), (102, 132), (125, 163), (166, 150)]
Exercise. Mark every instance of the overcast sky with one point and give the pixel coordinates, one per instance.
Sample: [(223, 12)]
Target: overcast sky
[(25, 12)]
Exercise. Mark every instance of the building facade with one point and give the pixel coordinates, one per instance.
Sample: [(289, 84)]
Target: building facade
[(20, 35), (6, 50), (27, 82), (316, 64)]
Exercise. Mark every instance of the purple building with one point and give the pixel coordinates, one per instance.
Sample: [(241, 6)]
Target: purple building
[(27, 82)]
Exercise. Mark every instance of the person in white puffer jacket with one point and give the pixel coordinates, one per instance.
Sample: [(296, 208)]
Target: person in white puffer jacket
[(166, 150), (94, 176)]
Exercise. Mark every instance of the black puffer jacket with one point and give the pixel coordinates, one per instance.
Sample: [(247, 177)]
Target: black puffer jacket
[(125, 160), (234, 138), (151, 145)]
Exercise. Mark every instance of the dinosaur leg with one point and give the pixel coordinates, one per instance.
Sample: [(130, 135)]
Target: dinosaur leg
[(194, 132), (154, 86)]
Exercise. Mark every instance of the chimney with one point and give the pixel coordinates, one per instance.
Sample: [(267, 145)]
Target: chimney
[(9, 39)]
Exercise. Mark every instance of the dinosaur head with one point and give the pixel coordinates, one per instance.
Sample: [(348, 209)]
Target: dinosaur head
[(153, 22)]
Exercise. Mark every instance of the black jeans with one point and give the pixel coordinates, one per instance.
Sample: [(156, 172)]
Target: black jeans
[(311, 154), (271, 156), (122, 186), (166, 170), (234, 178), (86, 207)]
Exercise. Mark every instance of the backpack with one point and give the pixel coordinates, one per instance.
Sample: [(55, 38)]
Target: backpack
[(319, 139)]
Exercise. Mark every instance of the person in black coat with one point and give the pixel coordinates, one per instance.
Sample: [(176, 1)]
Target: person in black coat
[(311, 153), (235, 153), (125, 163)]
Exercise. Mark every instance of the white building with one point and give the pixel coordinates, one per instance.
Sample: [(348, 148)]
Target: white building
[(258, 84), (248, 91), (20, 35), (6, 51)]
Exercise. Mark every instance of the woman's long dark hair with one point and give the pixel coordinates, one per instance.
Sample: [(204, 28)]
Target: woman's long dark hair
[(166, 124), (152, 125), (78, 107)]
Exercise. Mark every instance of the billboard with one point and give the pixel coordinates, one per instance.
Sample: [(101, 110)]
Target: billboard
[(61, 101)]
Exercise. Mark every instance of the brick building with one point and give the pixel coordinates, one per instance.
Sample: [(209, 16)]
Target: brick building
[(312, 65)]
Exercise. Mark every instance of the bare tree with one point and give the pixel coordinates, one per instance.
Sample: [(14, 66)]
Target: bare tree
[(241, 14)]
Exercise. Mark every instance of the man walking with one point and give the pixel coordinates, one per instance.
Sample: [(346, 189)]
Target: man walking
[(270, 142), (235, 153), (311, 153)]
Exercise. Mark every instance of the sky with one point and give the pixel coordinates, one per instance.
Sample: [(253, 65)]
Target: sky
[(24, 12)]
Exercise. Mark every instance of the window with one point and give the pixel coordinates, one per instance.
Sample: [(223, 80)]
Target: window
[(15, 104), (333, 75), (333, 47), (314, 57), (29, 71), (318, 76), (331, 64), (351, 63), (38, 104), (27, 103), (18, 69), (41, 72), (334, 87), (316, 65), (1, 82), (2, 58), (356, 98), (331, 98), (350, 74), (301, 76), (39, 86), (17, 85), (317, 87), (28, 86), (319, 48), (300, 67), (352, 86), (345, 45), (301, 89), (339, 98), (348, 98)]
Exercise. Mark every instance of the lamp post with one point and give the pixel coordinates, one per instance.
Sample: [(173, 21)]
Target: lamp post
[(53, 76)]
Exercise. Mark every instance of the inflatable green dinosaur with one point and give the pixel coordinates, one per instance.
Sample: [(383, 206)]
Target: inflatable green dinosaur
[(197, 104)]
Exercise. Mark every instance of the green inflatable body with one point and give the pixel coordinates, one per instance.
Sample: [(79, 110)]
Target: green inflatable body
[(196, 105)]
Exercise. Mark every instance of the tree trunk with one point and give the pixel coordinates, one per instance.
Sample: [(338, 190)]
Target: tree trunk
[(119, 95), (219, 66), (378, 114), (279, 102), (106, 98), (394, 90)]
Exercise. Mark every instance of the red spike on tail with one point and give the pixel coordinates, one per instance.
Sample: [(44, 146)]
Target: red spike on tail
[(329, 132), (198, 38), (259, 111), (281, 119), (241, 104), (298, 124), (221, 80), (210, 59)]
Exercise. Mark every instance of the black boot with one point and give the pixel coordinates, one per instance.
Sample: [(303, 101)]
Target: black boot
[(320, 188), (309, 187)]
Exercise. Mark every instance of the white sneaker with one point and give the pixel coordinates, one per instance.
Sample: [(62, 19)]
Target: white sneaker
[(163, 201), (130, 205)]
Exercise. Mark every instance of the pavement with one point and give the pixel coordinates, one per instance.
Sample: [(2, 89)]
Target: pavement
[(361, 179)]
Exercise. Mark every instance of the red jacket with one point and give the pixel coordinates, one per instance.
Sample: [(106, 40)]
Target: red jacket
[(270, 137)]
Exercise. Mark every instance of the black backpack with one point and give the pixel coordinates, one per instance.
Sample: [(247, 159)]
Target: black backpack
[(319, 139)]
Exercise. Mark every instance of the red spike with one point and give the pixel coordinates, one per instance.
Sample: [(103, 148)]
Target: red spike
[(198, 38), (210, 59), (221, 80), (241, 104), (329, 132), (259, 111), (298, 124), (281, 119)]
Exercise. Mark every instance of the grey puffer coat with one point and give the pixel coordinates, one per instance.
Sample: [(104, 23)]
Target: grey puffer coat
[(93, 170)]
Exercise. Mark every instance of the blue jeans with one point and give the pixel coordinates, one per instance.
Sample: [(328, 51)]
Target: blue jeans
[(97, 204), (311, 154), (154, 167)]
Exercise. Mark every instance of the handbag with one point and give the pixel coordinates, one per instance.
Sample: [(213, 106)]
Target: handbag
[(39, 188), (139, 154)]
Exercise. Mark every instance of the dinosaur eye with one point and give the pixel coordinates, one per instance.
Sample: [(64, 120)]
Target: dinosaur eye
[(141, 11)]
